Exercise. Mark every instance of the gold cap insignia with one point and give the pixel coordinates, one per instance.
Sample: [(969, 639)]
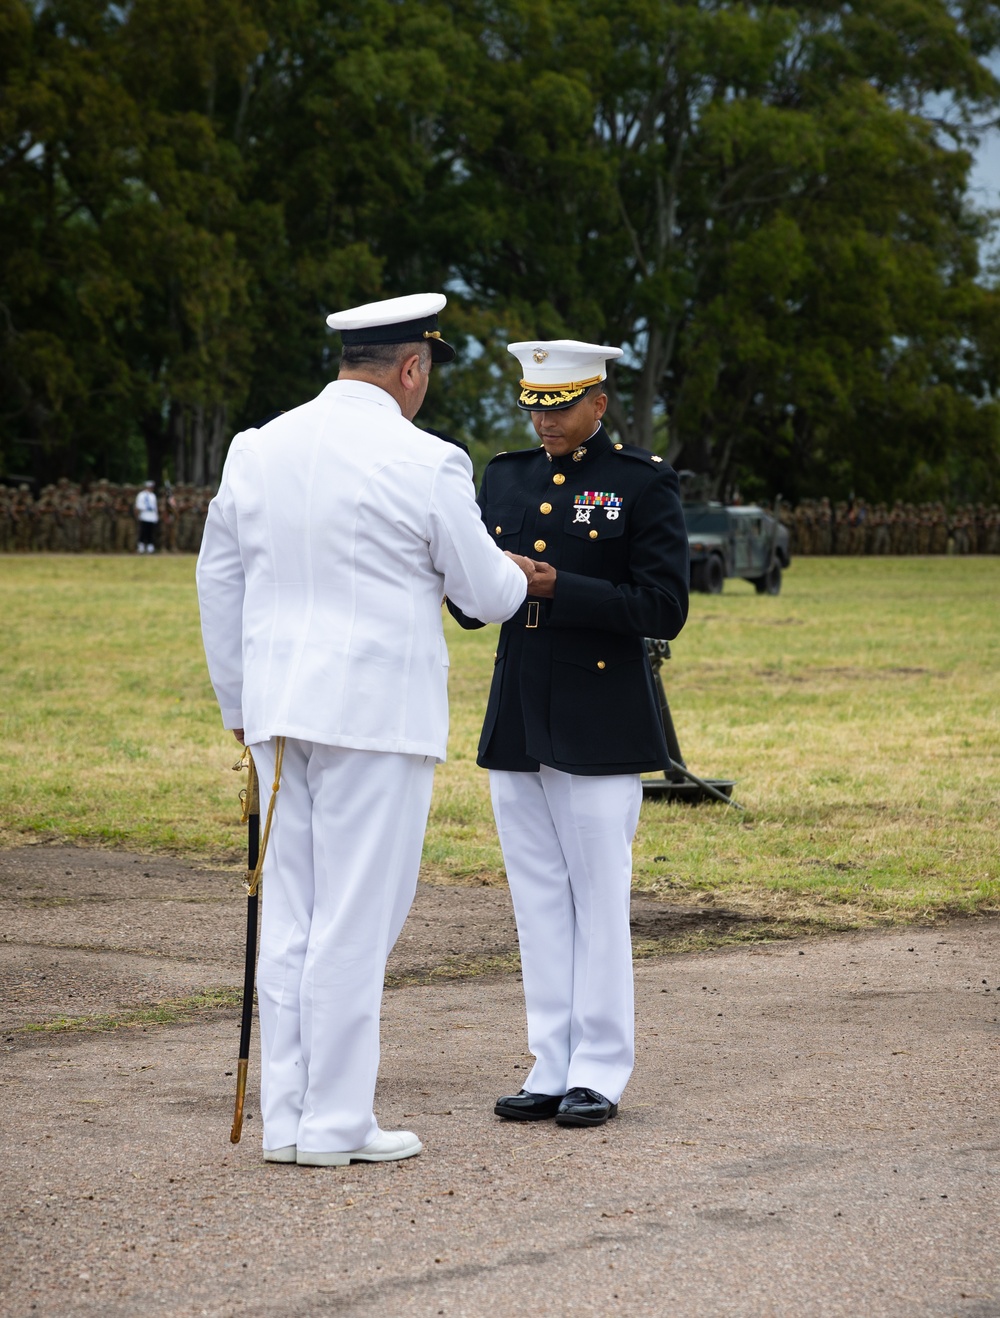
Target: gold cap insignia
[(539, 355)]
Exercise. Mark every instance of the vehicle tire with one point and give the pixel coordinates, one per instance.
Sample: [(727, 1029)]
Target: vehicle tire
[(770, 583), (714, 575)]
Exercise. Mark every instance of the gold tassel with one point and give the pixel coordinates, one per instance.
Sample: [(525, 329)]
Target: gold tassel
[(253, 876), (250, 802)]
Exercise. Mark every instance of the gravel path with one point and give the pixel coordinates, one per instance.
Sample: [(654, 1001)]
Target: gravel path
[(811, 1129)]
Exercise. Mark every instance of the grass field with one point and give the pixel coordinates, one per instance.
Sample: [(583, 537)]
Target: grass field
[(860, 712)]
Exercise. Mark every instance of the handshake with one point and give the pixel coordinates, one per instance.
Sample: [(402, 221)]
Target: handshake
[(541, 576)]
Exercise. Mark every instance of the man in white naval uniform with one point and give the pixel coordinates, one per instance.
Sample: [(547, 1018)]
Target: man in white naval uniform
[(337, 529)]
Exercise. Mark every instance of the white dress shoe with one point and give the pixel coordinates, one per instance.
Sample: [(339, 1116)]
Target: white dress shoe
[(387, 1146), (285, 1154)]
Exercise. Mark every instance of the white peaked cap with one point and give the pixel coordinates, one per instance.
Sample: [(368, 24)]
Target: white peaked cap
[(409, 319), (556, 373), (415, 306)]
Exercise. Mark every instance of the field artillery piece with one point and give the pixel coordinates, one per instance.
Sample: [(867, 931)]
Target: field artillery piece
[(678, 782)]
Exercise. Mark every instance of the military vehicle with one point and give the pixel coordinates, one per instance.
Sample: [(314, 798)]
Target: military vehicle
[(735, 541)]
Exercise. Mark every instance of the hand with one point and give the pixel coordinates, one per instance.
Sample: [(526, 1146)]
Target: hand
[(238, 734), (543, 583), (527, 565)]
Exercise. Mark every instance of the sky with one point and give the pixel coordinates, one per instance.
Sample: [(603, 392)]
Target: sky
[(986, 170), (985, 186)]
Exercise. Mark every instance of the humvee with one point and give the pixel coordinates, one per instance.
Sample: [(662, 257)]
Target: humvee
[(735, 541)]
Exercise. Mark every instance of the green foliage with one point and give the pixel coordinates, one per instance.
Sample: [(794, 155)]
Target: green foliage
[(763, 213), (766, 205)]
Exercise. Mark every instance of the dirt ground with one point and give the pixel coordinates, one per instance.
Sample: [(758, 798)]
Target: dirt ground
[(811, 1128)]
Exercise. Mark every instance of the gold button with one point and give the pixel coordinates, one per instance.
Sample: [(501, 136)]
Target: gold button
[(618, 446), (497, 529), (601, 663), (558, 478), (593, 535), (494, 656), (545, 508), (539, 545)]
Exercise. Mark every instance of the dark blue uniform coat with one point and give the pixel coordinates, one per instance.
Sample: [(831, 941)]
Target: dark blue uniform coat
[(572, 686)]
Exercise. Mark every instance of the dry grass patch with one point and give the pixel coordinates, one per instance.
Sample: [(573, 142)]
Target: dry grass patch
[(169, 1012)]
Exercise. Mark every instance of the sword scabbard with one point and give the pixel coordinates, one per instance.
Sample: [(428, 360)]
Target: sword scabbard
[(241, 1093), (256, 847)]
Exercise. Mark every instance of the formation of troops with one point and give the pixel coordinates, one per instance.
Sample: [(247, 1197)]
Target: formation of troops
[(101, 519), (817, 526)]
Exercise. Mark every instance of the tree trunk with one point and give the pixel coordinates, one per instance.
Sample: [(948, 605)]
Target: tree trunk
[(177, 439), (215, 449), (198, 446), (155, 440)]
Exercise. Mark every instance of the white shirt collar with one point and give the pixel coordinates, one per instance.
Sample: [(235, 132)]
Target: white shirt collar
[(364, 392)]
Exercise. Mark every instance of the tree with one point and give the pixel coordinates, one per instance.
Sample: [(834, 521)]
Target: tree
[(765, 204), (755, 201)]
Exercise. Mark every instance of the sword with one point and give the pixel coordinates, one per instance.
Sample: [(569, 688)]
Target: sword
[(256, 849), (250, 796)]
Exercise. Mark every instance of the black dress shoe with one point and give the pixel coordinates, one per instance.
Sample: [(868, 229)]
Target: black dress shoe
[(585, 1107), (528, 1107)]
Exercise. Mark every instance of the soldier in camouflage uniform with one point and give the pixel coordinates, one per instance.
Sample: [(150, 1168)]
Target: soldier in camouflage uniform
[(880, 530), (992, 530), (24, 519), (923, 530), (43, 529), (939, 530), (960, 533)]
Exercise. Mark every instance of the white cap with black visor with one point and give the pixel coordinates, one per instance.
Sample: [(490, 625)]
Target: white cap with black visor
[(409, 319)]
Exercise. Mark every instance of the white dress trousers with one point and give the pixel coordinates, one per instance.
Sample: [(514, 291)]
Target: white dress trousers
[(567, 848), (339, 876), (337, 529)]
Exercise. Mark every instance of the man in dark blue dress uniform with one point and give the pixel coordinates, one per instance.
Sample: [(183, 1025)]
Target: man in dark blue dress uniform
[(573, 720)]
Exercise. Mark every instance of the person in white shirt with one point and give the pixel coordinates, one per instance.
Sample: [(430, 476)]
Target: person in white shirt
[(148, 514), (337, 530)]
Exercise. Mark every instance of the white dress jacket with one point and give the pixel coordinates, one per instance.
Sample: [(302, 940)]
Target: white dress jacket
[(337, 529)]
